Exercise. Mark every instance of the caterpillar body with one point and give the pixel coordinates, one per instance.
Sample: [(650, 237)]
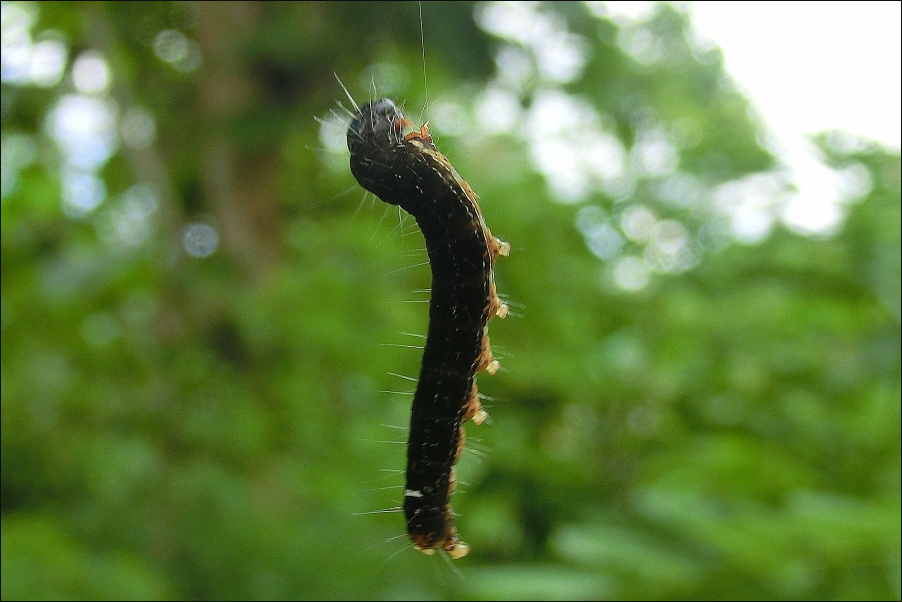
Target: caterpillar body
[(401, 165)]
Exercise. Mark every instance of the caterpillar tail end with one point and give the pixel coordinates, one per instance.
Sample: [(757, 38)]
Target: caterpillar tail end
[(455, 549)]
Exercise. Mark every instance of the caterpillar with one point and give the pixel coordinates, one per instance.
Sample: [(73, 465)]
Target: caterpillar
[(401, 165)]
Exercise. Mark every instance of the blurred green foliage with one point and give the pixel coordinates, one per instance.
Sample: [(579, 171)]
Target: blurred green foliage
[(723, 423)]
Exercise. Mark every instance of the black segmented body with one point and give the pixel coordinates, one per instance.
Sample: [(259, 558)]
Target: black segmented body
[(410, 172)]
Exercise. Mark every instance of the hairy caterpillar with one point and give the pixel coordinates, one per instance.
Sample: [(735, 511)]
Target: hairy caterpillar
[(401, 165)]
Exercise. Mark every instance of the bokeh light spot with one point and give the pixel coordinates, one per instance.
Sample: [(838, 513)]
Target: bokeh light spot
[(170, 45), (90, 73), (200, 240)]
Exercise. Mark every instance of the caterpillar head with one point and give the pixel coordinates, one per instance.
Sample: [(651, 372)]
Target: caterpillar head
[(379, 124)]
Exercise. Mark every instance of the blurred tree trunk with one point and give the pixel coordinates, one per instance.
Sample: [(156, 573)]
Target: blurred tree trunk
[(238, 184)]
